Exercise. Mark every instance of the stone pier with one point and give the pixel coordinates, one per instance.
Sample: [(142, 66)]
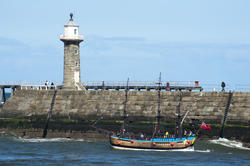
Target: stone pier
[(207, 106)]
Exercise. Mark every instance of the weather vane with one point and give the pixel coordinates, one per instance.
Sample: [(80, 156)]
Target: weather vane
[(71, 16)]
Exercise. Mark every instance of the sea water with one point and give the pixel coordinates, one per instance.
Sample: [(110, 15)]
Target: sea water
[(7, 95), (59, 151)]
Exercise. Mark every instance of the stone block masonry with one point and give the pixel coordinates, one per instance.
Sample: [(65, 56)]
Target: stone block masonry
[(142, 105), (71, 64)]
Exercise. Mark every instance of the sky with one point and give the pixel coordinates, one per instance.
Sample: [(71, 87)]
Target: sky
[(207, 41)]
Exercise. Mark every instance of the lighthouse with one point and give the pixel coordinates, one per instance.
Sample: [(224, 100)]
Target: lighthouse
[(71, 40)]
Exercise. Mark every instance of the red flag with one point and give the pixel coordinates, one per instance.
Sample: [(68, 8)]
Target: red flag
[(205, 126)]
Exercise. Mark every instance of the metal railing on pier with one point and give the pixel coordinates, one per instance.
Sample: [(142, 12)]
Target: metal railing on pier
[(28, 82), (133, 85), (216, 87), (107, 85), (142, 85)]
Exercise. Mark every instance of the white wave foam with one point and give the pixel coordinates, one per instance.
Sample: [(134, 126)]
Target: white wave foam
[(229, 143), (47, 139), (203, 151)]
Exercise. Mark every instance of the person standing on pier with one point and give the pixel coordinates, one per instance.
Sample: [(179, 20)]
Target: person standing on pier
[(223, 85)]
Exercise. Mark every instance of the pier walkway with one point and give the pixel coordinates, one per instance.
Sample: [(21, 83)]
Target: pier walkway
[(101, 85), (146, 86)]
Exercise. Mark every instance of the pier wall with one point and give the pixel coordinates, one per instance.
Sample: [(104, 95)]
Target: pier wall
[(142, 105)]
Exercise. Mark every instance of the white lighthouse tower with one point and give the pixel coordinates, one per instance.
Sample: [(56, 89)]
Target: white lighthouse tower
[(71, 40)]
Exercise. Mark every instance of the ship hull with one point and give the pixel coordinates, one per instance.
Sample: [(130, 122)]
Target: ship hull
[(191, 148), (155, 144)]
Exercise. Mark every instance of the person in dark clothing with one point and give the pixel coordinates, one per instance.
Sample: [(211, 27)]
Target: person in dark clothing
[(52, 85), (223, 85), (167, 87)]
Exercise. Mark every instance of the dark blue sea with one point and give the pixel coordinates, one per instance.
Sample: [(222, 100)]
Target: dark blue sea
[(7, 96), (58, 151)]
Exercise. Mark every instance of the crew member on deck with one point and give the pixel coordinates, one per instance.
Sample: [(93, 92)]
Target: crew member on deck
[(185, 132), (166, 135), (142, 136)]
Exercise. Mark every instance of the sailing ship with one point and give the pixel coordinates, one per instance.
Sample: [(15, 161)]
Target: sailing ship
[(156, 142)]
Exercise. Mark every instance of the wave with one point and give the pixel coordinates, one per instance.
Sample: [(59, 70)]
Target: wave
[(203, 151), (229, 143), (194, 150), (48, 140)]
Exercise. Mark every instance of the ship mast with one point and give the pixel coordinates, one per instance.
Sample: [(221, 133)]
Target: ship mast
[(125, 110), (179, 119), (158, 117)]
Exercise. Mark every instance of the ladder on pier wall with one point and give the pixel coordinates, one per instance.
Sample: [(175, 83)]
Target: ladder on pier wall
[(226, 114), (49, 114)]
